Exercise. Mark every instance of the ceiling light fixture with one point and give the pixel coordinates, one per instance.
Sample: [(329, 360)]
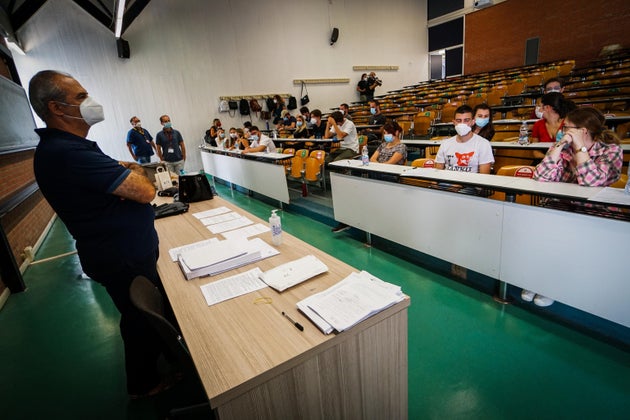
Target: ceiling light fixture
[(120, 12), (14, 46)]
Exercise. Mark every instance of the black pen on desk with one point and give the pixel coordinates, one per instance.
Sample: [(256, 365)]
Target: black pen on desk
[(297, 324)]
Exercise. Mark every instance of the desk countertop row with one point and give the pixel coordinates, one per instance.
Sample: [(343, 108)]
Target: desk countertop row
[(250, 358)]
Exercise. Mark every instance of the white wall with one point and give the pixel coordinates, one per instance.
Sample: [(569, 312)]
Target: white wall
[(185, 54)]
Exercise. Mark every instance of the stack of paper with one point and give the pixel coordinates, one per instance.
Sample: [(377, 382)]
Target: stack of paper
[(287, 275), (355, 298), (217, 257)]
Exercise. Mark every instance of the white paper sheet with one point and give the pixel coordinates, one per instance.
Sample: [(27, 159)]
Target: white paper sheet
[(612, 196), (229, 225), (212, 220), (211, 212), (246, 232), (233, 286), (175, 252)]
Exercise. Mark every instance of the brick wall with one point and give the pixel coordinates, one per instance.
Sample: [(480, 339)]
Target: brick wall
[(23, 225), (495, 37), (16, 169)]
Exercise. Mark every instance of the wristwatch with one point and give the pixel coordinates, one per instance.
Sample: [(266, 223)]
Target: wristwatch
[(583, 149)]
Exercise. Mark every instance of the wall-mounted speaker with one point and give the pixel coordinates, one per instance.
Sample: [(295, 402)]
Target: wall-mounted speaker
[(123, 48), (334, 36)]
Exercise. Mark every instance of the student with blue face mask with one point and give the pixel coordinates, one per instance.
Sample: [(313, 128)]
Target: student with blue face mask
[(483, 121), (391, 151)]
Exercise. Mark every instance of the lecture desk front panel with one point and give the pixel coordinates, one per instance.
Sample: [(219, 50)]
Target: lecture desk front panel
[(577, 259), (254, 363), (266, 177)]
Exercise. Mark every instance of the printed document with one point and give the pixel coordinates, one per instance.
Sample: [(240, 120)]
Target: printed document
[(232, 286)]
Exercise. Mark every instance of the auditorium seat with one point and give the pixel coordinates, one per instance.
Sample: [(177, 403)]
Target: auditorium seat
[(423, 163)]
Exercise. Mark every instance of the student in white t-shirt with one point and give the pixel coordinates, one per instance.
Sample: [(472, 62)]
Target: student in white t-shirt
[(466, 152), (259, 142)]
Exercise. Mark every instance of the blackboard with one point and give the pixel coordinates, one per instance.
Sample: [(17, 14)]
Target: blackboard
[(16, 119)]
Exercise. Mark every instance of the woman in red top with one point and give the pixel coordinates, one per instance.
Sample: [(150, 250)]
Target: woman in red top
[(549, 127)]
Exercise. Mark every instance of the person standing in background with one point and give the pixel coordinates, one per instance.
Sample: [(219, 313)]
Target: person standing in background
[(171, 148), (362, 88), (139, 142)]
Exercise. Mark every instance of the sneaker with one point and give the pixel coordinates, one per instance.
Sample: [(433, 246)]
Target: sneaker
[(527, 295), (543, 301), (340, 228)]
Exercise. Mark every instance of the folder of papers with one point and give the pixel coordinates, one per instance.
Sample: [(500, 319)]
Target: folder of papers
[(287, 275), (218, 257), (355, 298)]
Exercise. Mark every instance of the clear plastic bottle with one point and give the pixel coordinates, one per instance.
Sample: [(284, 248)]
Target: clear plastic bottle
[(276, 228), (523, 134), (628, 183), (365, 158)]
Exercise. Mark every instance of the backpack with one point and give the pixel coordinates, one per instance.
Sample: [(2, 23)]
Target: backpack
[(244, 107), (254, 105), (292, 103), (224, 106), (270, 104)]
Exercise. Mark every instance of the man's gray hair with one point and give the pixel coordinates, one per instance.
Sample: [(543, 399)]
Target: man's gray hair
[(43, 88)]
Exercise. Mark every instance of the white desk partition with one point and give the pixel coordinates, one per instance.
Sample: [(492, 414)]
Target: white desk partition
[(266, 178), (576, 259), (434, 222)]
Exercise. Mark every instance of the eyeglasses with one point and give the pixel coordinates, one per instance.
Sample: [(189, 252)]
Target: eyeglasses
[(568, 127)]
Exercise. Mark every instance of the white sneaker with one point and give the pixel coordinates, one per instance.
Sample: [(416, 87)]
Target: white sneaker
[(527, 295), (541, 300)]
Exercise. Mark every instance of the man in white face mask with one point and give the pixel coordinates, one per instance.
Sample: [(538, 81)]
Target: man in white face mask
[(105, 205), (466, 152)]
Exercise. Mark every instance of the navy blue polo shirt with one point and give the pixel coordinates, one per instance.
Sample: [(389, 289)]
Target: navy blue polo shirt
[(171, 151), (77, 179), (140, 142)]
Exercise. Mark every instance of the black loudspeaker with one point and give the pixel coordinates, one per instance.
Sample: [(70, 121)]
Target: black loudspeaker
[(123, 48), (334, 36)]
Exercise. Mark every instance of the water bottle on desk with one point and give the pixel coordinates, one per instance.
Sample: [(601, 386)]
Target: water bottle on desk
[(628, 183), (523, 138), (365, 158), (276, 228)]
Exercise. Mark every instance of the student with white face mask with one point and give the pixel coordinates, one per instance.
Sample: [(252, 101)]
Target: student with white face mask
[(483, 121), (467, 151)]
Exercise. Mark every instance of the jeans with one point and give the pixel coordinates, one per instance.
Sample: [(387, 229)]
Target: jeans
[(175, 167), (143, 159)]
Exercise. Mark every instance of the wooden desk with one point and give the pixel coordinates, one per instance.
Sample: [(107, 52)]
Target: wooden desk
[(253, 363)]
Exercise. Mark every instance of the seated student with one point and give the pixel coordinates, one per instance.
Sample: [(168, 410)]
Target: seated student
[(554, 109), (241, 142), (345, 110), (391, 151), (318, 128), (467, 151), (588, 154), (210, 136), (344, 131), (301, 130), (279, 107), (220, 139), (483, 121), (259, 142), (554, 84), (287, 123), (232, 138), (377, 118), (306, 113)]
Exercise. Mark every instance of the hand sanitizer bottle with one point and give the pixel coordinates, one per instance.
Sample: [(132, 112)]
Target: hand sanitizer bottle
[(276, 228)]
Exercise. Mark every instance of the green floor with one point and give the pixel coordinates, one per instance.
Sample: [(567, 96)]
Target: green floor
[(469, 357)]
